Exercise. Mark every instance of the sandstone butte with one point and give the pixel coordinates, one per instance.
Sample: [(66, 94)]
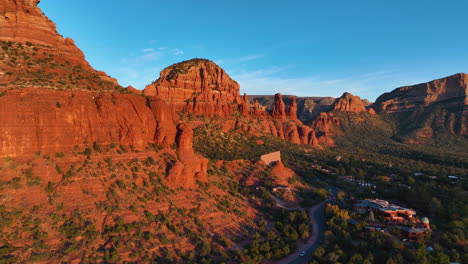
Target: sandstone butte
[(202, 88)]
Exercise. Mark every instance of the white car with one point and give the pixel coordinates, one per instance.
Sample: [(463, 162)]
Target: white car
[(302, 253)]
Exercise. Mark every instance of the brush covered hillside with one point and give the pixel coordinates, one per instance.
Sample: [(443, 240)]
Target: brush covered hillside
[(91, 172), (426, 122)]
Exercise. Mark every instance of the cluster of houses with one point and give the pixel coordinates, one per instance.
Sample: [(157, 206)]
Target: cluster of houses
[(395, 215)]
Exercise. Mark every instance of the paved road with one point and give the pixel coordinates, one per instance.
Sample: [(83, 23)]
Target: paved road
[(317, 217)]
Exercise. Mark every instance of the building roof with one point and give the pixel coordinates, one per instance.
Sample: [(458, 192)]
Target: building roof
[(382, 205), (412, 230)]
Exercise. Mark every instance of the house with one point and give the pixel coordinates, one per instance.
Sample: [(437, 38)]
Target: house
[(282, 189), (412, 233), (389, 211)]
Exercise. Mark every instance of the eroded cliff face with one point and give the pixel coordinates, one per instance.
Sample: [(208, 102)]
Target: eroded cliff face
[(34, 54), (327, 125), (202, 88), (349, 103), (39, 120), (46, 121), (23, 21), (428, 110), (52, 101), (198, 86), (453, 88)]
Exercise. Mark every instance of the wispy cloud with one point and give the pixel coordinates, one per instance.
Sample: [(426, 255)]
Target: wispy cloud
[(177, 52), (252, 57), (266, 81), (143, 66), (261, 72)]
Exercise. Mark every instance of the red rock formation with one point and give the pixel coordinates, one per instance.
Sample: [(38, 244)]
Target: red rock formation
[(453, 88), (291, 111), (189, 167), (349, 103), (307, 136), (166, 120), (198, 86), (134, 90), (184, 140), (326, 125), (441, 103), (278, 109), (290, 132), (23, 21), (244, 106), (33, 120), (48, 60), (282, 174), (257, 110)]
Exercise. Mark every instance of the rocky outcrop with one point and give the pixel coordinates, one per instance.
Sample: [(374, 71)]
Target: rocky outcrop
[(429, 110), (326, 126), (166, 120), (198, 86), (349, 103), (23, 21), (34, 54), (281, 173), (39, 120), (201, 87), (244, 106), (278, 109), (307, 107), (52, 101), (291, 111), (453, 88), (188, 163), (134, 90)]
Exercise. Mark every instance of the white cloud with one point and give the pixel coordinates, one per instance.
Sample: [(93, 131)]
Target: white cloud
[(252, 57), (177, 52), (264, 82), (219, 62)]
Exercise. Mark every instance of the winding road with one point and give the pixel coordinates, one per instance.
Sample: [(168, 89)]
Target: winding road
[(317, 218), (316, 215)]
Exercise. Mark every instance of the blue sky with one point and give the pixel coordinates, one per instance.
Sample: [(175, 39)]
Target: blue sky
[(301, 47)]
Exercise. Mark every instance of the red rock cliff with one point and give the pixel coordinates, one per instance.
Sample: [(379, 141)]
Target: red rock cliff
[(35, 54), (291, 111), (453, 88), (23, 21), (33, 120), (278, 110), (53, 101), (198, 86), (349, 103)]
